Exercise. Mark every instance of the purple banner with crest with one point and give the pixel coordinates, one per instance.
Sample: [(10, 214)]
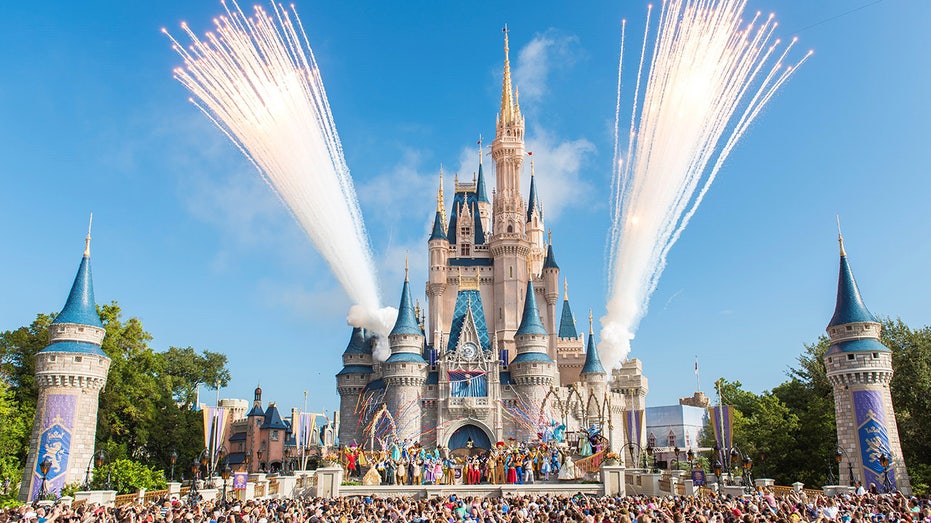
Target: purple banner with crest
[(722, 421), (54, 444), (873, 437)]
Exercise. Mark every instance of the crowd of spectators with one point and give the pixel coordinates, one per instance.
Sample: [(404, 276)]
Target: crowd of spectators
[(528, 508)]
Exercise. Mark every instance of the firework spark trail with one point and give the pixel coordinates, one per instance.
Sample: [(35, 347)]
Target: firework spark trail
[(257, 80), (709, 76)]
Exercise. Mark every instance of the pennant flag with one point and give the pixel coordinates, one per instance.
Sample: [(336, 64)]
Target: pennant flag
[(722, 419)]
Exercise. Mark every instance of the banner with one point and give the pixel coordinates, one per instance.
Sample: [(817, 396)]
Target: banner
[(54, 444), (306, 429), (214, 427), (239, 480), (874, 439), (722, 420), (633, 429), (464, 384)]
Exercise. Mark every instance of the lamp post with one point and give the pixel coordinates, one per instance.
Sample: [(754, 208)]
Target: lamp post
[(173, 459), (748, 476), (259, 456), (733, 457), (87, 475), (287, 458), (99, 462), (204, 460), (690, 456), (884, 461), (718, 465), (763, 461), (635, 462), (650, 453), (192, 496), (44, 468), (225, 474), (675, 450), (840, 452)]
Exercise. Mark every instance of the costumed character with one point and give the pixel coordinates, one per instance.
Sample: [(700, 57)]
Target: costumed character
[(567, 470), (371, 478), (528, 471), (391, 472), (585, 444), (545, 468)]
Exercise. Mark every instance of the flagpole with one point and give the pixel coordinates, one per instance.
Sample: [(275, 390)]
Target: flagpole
[(213, 440), (304, 434)]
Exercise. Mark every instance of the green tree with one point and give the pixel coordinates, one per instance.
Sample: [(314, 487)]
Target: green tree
[(14, 433), (145, 411), (761, 423), (809, 394), (127, 476)]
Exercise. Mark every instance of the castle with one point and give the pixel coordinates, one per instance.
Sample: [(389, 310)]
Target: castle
[(491, 361)]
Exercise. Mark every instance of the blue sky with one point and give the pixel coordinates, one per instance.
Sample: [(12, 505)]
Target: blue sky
[(188, 238)]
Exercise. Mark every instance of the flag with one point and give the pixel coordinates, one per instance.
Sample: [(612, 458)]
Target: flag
[(214, 426), (722, 422), (696, 365)]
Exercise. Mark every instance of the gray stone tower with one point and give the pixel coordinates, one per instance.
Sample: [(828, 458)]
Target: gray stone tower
[(405, 371), (532, 370), (70, 373), (351, 381), (860, 369)]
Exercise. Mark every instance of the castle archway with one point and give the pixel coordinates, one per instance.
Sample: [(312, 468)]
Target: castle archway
[(481, 438)]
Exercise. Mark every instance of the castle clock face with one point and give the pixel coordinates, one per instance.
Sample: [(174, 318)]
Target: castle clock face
[(469, 351)]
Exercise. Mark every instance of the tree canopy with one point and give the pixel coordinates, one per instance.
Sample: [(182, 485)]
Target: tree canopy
[(146, 410)]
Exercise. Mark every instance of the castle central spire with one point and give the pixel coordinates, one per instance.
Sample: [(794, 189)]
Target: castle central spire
[(507, 92)]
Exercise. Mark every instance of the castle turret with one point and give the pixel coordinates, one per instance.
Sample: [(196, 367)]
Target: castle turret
[(70, 373), (405, 370), (535, 226), (593, 373), (481, 197), (859, 368), (532, 370), (438, 246), (351, 380), (508, 246), (551, 294)]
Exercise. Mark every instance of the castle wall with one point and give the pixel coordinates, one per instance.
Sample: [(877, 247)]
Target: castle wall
[(65, 424)]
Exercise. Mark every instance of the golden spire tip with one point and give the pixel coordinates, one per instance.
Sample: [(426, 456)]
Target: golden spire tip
[(87, 240), (406, 267), (591, 323), (565, 289), (840, 237)]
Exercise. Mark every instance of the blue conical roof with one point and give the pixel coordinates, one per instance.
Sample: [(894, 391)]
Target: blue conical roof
[(438, 233), (357, 342), (480, 186), (530, 321), (849, 307), (592, 360), (550, 261), (567, 322), (532, 202), (273, 419), (407, 321), (80, 307)]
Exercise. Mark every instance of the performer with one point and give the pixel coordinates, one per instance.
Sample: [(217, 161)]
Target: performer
[(585, 444), (567, 470), (545, 467), (512, 470), (528, 471)]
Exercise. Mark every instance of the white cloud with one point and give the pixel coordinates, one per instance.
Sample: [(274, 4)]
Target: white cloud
[(559, 161), (547, 52)]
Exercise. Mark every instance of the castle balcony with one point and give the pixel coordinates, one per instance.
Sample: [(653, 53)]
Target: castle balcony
[(470, 407)]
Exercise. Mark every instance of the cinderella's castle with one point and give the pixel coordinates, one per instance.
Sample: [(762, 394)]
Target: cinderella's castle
[(493, 360)]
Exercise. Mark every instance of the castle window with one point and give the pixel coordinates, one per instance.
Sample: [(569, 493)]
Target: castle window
[(80, 329), (875, 355), (464, 249), (850, 327), (851, 357), (510, 228), (671, 439), (511, 272), (78, 359), (830, 360), (274, 435), (51, 358), (651, 440)]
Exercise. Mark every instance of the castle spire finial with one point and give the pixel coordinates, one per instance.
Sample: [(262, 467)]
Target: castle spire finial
[(480, 150), (840, 237), (565, 289), (549, 237), (591, 323), (507, 102), (87, 240), (407, 267)]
